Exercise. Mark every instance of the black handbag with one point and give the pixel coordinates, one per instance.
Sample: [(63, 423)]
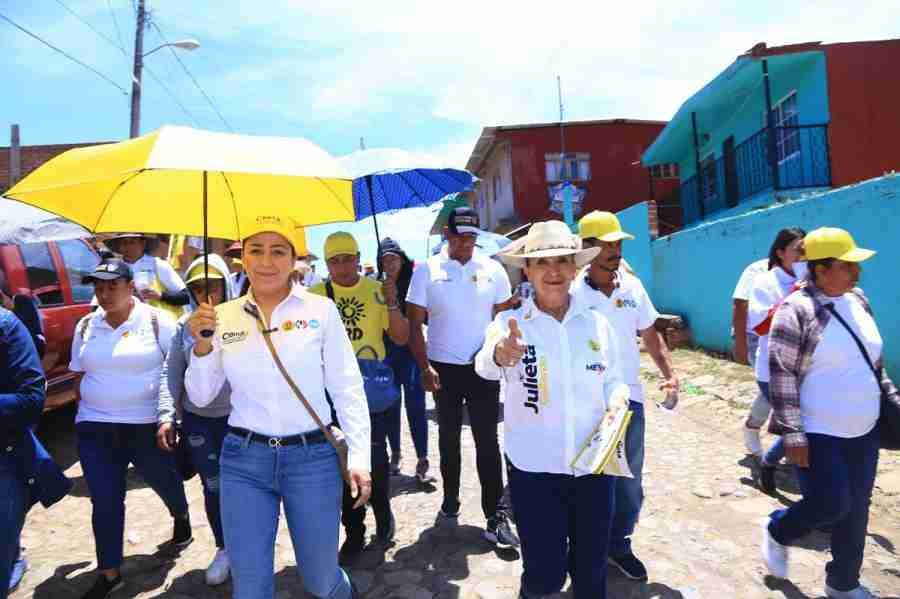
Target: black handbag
[(889, 414)]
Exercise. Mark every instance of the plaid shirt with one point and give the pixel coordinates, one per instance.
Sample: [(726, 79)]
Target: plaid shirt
[(796, 331)]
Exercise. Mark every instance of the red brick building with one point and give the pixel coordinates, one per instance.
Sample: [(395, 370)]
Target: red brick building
[(520, 168), (30, 157)]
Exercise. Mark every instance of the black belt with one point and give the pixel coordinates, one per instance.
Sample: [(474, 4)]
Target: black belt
[(309, 438)]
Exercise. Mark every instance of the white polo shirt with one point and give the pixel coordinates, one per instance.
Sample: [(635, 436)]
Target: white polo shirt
[(459, 299), (768, 289), (629, 310), (314, 348), (121, 366), (558, 392)]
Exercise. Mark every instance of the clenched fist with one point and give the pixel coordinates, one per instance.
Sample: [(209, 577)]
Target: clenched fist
[(201, 324)]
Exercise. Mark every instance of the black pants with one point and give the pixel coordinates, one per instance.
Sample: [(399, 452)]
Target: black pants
[(354, 519), (460, 384)]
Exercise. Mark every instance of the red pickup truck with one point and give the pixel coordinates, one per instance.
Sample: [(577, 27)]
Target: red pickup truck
[(51, 273)]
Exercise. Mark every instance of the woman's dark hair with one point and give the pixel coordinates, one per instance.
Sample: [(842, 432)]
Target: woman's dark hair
[(812, 264), (784, 238)]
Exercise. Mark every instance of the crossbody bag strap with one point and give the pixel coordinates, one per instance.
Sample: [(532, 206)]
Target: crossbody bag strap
[(859, 343), (290, 381)]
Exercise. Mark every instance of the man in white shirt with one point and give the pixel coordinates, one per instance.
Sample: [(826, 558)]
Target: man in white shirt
[(459, 290), (155, 280), (621, 297)]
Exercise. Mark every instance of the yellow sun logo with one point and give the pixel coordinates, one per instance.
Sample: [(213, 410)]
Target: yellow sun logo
[(287, 326)]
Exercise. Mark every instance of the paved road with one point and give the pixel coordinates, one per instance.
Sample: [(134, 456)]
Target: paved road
[(699, 533)]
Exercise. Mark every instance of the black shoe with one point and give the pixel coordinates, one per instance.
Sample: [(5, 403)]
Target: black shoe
[(182, 536), (351, 549), (446, 518), (104, 587), (500, 533), (630, 566), (767, 479)]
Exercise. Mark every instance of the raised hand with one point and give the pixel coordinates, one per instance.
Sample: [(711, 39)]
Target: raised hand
[(510, 350)]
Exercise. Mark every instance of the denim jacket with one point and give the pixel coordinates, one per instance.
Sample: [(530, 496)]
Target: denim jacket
[(22, 393)]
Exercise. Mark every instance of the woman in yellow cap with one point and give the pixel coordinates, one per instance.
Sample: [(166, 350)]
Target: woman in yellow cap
[(281, 348), (204, 427), (826, 385)]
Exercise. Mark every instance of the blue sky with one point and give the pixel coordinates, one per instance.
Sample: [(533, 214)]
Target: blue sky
[(422, 76)]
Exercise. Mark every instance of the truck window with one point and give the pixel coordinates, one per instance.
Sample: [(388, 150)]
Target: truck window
[(41, 274), (79, 261)]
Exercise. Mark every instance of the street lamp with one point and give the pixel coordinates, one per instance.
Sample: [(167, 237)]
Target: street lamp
[(139, 54)]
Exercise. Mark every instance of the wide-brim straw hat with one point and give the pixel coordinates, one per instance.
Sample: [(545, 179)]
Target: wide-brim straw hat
[(547, 240)]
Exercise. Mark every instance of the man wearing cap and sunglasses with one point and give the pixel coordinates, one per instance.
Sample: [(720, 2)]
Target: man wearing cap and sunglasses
[(621, 297), (459, 291)]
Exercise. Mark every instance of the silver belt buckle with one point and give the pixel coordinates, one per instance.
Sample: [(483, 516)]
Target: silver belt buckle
[(274, 442)]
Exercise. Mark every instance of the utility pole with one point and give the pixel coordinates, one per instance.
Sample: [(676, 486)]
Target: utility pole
[(138, 67)]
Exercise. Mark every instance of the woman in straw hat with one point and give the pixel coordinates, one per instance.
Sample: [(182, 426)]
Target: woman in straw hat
[(556, 357), (824, 353), (279, 449)]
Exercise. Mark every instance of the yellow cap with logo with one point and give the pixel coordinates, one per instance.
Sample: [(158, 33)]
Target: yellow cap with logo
[(339, 243), (286, 227), (603, 226), (196, 274), (831, 242)]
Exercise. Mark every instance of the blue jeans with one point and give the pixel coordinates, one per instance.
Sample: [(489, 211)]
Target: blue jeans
[(837, 490), (204, 437), (13, 506), (256, 481), (759, 413), (629, 491), (563, 523), (410, 378), (105, 450)]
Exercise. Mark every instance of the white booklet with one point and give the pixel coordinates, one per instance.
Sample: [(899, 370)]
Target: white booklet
[(603, 452)]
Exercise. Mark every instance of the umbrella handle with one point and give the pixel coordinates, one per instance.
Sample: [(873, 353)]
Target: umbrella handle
[(206, 333)]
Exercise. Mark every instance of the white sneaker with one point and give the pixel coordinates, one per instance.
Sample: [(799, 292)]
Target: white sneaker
[(752, 442), (775, 555), (219, 569), (859, 592)]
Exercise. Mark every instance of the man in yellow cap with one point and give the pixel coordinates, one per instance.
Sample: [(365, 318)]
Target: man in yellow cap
[(368, 309), (620, 296)]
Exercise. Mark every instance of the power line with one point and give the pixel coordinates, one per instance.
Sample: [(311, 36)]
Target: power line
[(116, 25), (64, 53), (121, 48), (191, 76)]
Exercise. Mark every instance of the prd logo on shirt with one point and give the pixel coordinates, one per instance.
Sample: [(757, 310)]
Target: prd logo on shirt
[(352, 312), (535, 380), (233, 337), (626, 303), (594, 345)]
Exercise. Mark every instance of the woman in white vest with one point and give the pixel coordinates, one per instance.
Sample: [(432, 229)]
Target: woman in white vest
[(279, 450), (556, 356)]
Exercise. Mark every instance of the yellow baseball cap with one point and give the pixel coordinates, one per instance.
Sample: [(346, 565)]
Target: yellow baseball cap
[(339, 243), (287, 228), (831, 242), (603, 226), (196, 274)]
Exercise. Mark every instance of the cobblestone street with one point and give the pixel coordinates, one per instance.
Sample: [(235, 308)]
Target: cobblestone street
[(699, 534)]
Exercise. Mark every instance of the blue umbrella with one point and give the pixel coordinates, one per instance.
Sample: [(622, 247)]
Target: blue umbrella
[(396, 189)]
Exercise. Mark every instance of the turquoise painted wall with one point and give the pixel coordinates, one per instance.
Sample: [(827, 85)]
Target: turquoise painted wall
[(694, 271), (637, 251), (811, 86)]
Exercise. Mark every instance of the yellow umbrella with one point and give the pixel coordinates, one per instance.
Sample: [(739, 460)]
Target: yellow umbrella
[(191, 182)]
